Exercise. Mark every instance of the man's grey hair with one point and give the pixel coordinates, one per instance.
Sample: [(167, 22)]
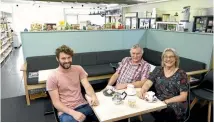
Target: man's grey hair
[(137, 46)]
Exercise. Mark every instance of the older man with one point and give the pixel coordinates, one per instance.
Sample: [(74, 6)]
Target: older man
[(132, 70)]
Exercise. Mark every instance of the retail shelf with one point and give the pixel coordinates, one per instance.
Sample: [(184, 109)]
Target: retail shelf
[(2, 31), (3, 37), (166, 22), (6, 40), (6, 54), (5, 48)]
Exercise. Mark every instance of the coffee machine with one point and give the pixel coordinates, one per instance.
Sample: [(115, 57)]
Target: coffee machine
[(184, 24)]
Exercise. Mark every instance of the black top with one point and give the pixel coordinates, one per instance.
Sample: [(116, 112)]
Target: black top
[(168, 87)]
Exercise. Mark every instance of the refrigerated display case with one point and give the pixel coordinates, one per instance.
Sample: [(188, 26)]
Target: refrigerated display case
[(144, 23), (131, 20), (203, 24)]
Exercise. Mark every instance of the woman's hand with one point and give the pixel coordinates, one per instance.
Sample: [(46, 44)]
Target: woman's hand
[(166, 101), (142, 93)]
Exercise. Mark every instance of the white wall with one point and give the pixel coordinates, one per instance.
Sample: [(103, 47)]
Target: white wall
[(25, 15), (173, 6), (5, 7)]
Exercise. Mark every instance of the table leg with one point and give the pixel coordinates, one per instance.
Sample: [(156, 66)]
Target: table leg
[(140, 118)]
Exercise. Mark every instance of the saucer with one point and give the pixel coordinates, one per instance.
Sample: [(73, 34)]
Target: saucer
[(105, 92), (154, 100), (151, 102)]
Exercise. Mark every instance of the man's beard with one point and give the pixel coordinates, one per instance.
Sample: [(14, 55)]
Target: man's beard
[(64, 65)]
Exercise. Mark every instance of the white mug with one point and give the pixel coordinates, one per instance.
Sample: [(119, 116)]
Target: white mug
[(130, 89), (150, 96)]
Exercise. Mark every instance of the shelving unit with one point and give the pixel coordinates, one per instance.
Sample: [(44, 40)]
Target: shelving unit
[(172, 26), (5, 38), (203, 24)]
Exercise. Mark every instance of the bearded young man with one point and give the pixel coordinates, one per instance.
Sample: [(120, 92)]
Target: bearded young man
[(64, 88)]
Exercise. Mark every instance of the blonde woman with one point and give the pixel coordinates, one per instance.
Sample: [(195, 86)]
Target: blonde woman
[(170, 84)]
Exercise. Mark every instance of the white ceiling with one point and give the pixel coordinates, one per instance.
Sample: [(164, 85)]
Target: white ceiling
[(75, 5)]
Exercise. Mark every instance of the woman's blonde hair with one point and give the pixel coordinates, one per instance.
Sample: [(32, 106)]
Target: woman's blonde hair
[(177, 60)]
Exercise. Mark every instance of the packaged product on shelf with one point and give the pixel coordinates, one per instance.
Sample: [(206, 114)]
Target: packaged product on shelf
[(36, 27)]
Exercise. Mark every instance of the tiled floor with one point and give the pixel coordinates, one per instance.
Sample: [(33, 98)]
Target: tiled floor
[(11, 77)]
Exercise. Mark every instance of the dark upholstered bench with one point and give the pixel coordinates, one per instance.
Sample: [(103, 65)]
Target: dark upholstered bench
[(97, 65)]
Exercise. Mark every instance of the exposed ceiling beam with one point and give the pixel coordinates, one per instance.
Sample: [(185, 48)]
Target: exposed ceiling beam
[(99, 1)]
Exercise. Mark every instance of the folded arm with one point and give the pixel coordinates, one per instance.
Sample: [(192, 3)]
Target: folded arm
[(180, 98)]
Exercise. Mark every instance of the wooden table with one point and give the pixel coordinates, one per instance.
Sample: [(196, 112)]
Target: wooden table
[(107, 111)]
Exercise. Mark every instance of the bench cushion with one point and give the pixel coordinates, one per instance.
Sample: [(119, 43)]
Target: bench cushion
[(76, 59), (151, 56), (106, 57), (189, 65), (88, 59), (97, 70), (37, 63)]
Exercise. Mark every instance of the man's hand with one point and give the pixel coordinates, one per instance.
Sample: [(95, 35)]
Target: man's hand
[(121, 86), (94, 101), (79, 116)]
